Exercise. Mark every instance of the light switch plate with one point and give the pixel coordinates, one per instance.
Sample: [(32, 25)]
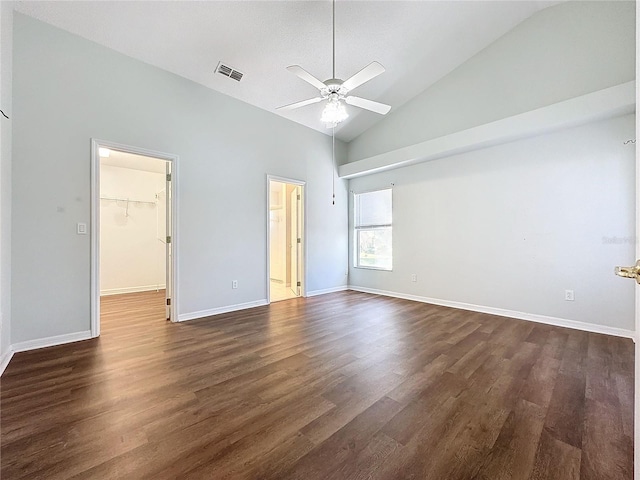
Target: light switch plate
[(81, 228)]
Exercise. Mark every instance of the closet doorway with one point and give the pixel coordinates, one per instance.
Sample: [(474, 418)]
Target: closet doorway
[(285, 239), (133, 234)]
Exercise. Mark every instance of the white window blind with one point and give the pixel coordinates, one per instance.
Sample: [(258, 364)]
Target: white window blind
[(373, 234), (373, 208)]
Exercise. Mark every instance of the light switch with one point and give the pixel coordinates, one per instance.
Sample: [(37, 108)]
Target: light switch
[(82, 228)]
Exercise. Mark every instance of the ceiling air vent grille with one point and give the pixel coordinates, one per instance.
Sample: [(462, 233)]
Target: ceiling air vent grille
[(229, 72)]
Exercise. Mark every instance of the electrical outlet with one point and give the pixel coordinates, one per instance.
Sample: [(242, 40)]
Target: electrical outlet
[(414, 277), (234, 284), (568, 295)]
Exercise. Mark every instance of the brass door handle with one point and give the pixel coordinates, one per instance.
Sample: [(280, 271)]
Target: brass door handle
[(629, 272)]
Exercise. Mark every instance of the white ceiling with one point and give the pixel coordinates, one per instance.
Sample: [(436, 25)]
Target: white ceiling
[(417, 41)]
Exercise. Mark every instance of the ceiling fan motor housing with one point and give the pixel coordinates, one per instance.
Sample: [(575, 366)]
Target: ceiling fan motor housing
[(333, 87)]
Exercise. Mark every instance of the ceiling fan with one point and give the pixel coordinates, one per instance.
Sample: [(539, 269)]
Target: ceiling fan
[(335, 91)]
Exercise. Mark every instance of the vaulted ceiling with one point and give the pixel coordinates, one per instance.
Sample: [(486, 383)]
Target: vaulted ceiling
[(418, 42)]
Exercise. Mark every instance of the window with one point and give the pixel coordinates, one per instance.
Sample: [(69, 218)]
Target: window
[(373, 243)]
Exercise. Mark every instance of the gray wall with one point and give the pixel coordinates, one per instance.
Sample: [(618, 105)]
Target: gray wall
[(514, 226), (559, 53), (68, 90), (6, 54)]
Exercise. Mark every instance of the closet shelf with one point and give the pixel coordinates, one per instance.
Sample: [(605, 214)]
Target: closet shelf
[(128, 200)]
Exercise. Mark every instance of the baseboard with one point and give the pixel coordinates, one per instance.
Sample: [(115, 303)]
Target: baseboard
[(51, 341), (217, 311), (120, 291), (324, 291), (243, 306), (6, 358), (532, 317)]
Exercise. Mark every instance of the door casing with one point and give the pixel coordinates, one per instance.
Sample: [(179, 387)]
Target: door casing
[(95, 225), (302, 260)]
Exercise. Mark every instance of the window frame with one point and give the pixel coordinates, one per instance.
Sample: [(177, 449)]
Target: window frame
[(357, 229)]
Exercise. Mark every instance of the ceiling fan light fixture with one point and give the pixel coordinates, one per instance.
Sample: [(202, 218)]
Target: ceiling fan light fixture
[(334, 113), (334, 90)]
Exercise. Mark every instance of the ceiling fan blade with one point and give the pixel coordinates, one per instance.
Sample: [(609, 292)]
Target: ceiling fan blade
[(300, 104), (367, 73), (377, 107), (306, 76)]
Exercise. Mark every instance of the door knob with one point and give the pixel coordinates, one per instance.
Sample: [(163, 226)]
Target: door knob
[(629, 272)]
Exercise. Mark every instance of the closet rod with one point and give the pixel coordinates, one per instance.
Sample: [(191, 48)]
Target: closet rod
[(127, 200)]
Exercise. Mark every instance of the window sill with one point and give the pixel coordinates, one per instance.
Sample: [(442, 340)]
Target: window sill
[(374, 268)]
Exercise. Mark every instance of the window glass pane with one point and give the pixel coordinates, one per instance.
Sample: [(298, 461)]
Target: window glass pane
[(373, 208), (375, 248)]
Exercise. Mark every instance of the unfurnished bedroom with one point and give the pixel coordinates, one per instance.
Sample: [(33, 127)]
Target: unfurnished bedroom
[(318, 240)]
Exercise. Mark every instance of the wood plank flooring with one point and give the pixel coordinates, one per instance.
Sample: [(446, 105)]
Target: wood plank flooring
[(341, 386)]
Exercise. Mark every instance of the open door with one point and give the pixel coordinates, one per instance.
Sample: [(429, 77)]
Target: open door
[(285, 238), (633, 272), (168, 244), (120, 158), (295, 240)]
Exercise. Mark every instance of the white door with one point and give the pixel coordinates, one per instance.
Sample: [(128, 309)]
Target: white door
[(636, 414), (294, 241), (168, 244), (634, 272)]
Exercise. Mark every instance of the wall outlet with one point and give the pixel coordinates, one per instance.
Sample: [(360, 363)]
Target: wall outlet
[(568, 295), (234, 284), (414, 277)]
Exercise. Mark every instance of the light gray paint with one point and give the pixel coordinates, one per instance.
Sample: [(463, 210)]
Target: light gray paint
[(592, 107), (513, 226), (558, 53), (417, 41), (68, 90), (6, 55)]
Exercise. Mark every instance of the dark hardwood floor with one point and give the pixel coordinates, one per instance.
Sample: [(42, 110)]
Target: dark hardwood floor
[(341, 386)]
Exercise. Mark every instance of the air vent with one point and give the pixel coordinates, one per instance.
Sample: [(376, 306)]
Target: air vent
[(229, 72)]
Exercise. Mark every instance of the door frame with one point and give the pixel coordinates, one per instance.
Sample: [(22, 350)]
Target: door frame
[(303, 210), (95, 224)]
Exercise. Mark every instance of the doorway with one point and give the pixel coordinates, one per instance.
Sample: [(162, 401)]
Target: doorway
[(133, 230), (285, 239)]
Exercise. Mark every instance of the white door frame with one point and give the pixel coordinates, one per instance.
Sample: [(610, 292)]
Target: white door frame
[(95, 224), (303, 206)]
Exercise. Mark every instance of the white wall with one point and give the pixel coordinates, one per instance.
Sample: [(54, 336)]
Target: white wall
[(6, 64), (132, 251), (559, 53), (513, 226), (68, 90)]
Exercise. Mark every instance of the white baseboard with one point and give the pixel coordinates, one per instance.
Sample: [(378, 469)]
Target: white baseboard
[(51, 341), (341, 288), (183, 317), (6, 358), (120, 291), (532, 317)]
